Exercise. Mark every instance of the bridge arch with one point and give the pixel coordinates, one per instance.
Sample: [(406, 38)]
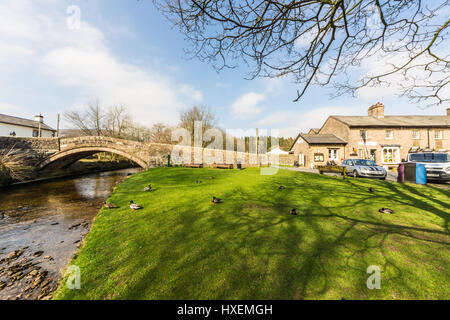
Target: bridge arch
[(66, 157)]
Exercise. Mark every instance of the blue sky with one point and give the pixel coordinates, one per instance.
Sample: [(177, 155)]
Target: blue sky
[(126, 52)]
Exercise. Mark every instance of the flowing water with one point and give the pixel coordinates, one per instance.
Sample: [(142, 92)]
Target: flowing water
[(42, 225)]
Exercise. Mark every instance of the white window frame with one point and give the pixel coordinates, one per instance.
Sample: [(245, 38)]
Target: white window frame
[(362, 153), (391, 136), (418, 134), (394, 161), (331, 152), (438, 134), (361, 136), (301, 160)]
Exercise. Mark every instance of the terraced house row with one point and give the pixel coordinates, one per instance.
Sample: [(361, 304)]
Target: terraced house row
[(385, 139)]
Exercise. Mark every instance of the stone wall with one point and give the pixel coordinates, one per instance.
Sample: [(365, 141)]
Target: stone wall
[(34, 149), (57, 153)]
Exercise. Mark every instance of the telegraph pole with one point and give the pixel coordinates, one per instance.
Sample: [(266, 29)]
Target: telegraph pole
[(57, 126), (256, 141)]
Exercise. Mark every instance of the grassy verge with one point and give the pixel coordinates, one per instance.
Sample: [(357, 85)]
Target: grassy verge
[(181, 246)]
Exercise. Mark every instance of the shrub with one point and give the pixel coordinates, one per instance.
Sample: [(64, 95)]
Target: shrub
[(13, 167)]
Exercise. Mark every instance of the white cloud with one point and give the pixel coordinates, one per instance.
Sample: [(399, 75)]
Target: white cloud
[(382, 63), (11, 51), (304, 41), (274, 85), (191, 93), (7, 108), (248, 105), (82, 60), (292, 123), (275, 118)]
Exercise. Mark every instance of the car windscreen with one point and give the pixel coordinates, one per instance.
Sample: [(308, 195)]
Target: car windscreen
[(429, 157), (362, 162)]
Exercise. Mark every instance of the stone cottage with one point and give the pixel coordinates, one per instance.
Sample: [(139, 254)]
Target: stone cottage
[(385, 139)]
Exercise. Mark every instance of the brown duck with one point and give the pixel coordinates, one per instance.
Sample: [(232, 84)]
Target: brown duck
[(110, 205), (216, 200)]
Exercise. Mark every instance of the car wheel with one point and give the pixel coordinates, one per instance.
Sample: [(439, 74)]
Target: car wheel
[(355, 174), (384, 178)]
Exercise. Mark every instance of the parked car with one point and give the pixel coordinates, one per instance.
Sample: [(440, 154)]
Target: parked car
[(364, 168), (437, 164)]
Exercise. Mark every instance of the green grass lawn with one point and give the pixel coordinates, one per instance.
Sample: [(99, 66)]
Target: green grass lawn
[(181, 246)]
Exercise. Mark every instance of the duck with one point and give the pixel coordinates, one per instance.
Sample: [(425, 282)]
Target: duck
[(281, 187), (110, 205), (198, 182), (211, 177), (134, 206), (148, 188), (294, 212), (216, 200), (386, 210), (371, 190)]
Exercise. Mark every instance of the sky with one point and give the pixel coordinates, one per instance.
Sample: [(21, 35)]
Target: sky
[(126, 52)]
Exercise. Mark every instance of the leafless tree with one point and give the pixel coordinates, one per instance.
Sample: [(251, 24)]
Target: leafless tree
[(90, 122), (323, 42), (160, 133), (198, 113), (118, 120), (96, 120)]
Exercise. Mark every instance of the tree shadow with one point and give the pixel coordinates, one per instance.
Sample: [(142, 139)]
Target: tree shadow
[(250, 247)]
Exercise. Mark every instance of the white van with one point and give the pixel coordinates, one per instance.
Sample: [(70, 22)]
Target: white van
[(436, 163)]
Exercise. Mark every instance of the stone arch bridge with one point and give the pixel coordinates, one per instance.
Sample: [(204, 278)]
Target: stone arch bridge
[(58, 153)]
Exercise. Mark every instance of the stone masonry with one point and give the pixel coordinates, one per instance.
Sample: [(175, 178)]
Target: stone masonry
[(58, 153)]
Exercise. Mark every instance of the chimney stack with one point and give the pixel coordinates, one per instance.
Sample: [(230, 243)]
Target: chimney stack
[(377, 110), (39, 118)]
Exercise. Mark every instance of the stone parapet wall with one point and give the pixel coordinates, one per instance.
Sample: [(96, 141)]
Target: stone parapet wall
[(45, 151), (33, 149), (44, 144)]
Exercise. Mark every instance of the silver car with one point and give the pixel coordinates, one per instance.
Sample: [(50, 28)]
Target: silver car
[(364, 168)]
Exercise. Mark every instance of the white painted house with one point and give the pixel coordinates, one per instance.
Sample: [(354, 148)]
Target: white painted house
[(277, 150), (18, 127)]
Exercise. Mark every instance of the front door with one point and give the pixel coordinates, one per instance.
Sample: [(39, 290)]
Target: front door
[(373, 154)]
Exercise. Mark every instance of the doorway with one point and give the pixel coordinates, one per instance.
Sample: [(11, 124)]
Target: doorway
[(373, 154)]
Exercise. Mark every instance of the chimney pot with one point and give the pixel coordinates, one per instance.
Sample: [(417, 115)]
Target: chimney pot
[(377, 110), (39, 118)]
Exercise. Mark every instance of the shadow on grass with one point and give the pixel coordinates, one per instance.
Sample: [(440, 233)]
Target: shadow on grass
[(250, 247)]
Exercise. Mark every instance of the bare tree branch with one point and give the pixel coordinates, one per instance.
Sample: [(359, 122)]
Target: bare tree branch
[(323, 42)]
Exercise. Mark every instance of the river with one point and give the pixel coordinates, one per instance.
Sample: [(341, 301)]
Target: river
[(41, 226)]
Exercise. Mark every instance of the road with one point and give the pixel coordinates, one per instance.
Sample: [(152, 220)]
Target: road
[(391, 176)]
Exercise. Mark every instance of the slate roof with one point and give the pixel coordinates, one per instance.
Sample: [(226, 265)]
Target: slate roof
[(322, 139), (395, 121), (24, 122), (314, 130)]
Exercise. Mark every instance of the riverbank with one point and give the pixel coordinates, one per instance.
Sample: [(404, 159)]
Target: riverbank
[(182, 246), (44, 223), (80, 168)]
